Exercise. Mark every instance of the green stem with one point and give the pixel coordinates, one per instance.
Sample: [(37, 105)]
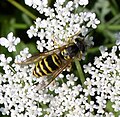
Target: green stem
[(103, 27), (96, 49), (20, 26), (81, 76), (110, 109), (80, 72), (20, 7), (114, 20), (114, 7), (113, 27)]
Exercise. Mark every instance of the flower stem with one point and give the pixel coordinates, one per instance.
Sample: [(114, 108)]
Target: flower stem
[(114, 20), (114, 27), (20, 26), (80, 72), (20, 7), (110, 109), (81, 76)]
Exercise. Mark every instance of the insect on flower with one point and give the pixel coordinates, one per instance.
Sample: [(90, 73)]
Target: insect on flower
[(53, 62)]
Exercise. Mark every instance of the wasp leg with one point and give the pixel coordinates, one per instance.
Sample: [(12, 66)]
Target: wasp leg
[(54, 41), (71, 37), (79, 56), (69, 67), (76, 34)]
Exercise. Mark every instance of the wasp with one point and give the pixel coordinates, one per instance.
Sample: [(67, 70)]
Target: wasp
[(53, 62)]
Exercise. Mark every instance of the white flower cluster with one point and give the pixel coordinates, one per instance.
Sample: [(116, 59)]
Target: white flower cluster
[(21, 100), (61, 22), (4, 62), (17, 92), (105, 78), (70, 99), (10, 42)]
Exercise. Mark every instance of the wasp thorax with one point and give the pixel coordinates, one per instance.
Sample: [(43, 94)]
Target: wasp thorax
[(80, 44)]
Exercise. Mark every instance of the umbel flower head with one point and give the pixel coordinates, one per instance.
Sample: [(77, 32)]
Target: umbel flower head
[(105, 79), (69, 98), (62, 22)]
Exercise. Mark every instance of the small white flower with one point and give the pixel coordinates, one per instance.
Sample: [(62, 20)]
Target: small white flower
[(83, 2), (4, 62), (23, 55), (93, 21), (32, 32), (10, 42), (80, 2), (118, 42), (103, 51), (41, 45), (41, 34), (61, 2), (29, 2)]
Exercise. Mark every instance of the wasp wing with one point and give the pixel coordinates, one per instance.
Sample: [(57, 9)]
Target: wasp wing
[(37, 57), (30, 60)]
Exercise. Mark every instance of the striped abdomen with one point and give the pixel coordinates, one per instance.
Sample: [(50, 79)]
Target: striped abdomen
[(47, 65)]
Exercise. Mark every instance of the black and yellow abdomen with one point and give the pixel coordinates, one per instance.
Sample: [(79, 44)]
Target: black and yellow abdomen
[(47, 65)]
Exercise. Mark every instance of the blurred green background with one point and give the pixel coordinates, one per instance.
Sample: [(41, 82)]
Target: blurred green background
[(17, 17)]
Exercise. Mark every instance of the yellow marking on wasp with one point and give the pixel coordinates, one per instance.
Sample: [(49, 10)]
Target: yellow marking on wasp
[(46, 63), (63, 52), (35, 74), (41, 66), (37, 70), (59, 61), (66, 57), (53, 58)]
